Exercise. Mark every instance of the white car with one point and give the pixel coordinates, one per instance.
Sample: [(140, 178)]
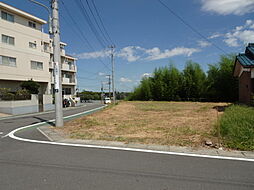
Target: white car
[(107, 101)]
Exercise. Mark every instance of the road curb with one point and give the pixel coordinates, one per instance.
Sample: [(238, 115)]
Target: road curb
[(56, 136), (61, 140)]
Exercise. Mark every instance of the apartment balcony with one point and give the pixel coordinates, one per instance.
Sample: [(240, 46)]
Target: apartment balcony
[(51, 65), (65, 81), (52, 79), (68, 67), (48, 49), (68, 81), (62, 52)]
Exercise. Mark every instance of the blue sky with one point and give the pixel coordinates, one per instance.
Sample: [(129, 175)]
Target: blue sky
[(147, 35)]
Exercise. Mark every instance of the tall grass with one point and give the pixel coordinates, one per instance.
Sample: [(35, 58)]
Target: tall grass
[(237, 127)]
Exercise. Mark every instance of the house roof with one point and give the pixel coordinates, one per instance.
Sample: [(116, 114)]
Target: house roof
[(247, 59)]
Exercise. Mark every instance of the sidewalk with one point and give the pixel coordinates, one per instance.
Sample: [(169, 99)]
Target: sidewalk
[(4, 115), (55, 136), (8, 116)]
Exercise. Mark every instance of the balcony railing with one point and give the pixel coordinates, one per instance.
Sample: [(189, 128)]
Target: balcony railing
[(62, 51), (51, 66), (68, 80), (68, 67)]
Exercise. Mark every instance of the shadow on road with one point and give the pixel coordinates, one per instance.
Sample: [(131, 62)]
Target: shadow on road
[(44, 120)]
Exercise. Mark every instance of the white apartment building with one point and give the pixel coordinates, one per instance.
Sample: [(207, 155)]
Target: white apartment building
[(26, 53)]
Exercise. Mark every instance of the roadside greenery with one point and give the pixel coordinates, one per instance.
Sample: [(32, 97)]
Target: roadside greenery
[(31, 86), (168, 83), (236, 127), (21, 94), (89, 95)]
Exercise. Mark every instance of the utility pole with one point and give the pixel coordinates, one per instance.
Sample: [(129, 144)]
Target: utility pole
[(57, 64), (102, 92), (55, 32), (109, 85), (112, 47)]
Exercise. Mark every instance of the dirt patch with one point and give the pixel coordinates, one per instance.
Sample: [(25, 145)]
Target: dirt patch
[(162, 123)]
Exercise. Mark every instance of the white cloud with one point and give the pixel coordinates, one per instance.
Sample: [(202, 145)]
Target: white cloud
[(146, 75), (226, 7), (232, 42), (203, 43), (216, 35), (101, 74), (136, 53), (93, 55), (240, 35), (123, 79), (130, 53), (156, 53)]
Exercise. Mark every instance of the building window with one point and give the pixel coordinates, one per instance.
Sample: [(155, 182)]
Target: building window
[(32, 45), (36, 65), (66, 91), (8, 61), (7, 16), (7, 39), (31, 24), (46, 47)]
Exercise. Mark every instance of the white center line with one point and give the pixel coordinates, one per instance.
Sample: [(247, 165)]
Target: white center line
[(1, 133)]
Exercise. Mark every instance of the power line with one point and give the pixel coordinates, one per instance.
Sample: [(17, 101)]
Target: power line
[(86, 78), (191, 27), (84, 38), (90, 23), (96, 22), (81, 33), (103, 26)]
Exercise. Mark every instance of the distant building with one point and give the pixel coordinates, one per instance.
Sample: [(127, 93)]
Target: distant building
[(26, 53), (244, 70)]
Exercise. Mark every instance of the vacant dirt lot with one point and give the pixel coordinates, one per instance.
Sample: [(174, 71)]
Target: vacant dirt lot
[(163, 123)]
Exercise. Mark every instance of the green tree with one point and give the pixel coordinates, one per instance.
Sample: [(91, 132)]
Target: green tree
[(172, 83), (193, 81), (31, 86), (221, 85), (157, 85)]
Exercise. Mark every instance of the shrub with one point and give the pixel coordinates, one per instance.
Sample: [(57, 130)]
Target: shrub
[(237, 127), (31, 86), (23, 92), (4, 91), (8, 96)]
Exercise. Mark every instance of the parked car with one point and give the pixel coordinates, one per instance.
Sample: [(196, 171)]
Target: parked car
[(107, 100)]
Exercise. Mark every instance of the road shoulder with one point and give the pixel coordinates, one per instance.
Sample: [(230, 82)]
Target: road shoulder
[(56, 136)]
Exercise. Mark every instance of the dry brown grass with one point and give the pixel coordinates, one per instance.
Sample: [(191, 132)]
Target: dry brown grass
[(163, 123)]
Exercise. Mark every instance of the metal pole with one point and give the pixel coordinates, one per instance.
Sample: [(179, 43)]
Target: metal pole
[(109, 86), (113, 72), (57, 64), (102, 92), (49, 14)]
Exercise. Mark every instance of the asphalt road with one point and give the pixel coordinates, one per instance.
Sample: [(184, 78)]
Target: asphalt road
[(27, 166)]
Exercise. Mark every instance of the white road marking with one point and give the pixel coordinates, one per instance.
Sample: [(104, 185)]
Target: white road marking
[(1, 133), (12, 135)]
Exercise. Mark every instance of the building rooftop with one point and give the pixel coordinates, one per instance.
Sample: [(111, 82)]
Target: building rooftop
[(70, 57), (16, 11), (247, 59)]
